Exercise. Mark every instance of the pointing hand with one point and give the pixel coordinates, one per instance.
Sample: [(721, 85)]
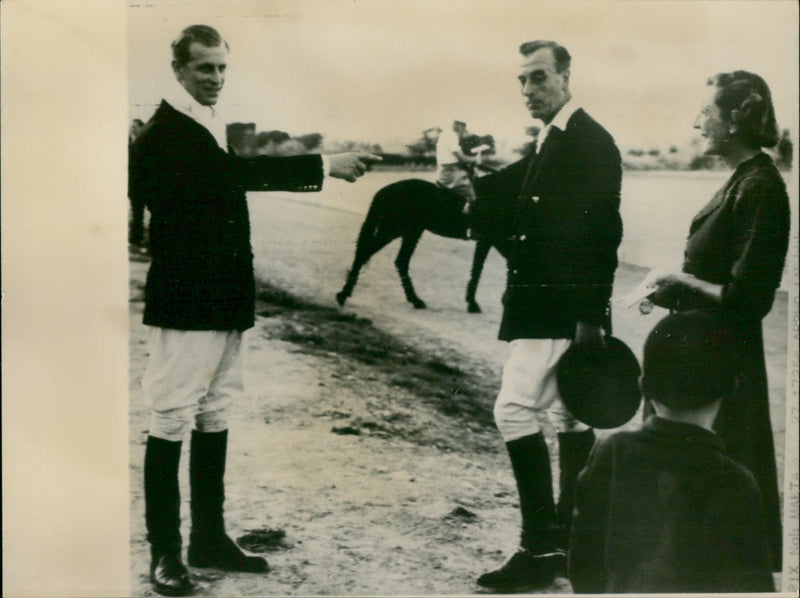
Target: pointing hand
[(350, 165)]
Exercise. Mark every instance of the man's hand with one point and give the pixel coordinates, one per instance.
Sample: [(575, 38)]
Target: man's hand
[(590, 336), (350, 165)]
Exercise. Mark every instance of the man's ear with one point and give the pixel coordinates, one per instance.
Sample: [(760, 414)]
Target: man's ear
[(565, 74), (176, 68)]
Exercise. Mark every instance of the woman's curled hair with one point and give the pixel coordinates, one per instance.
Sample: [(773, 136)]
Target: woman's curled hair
[(745, 102)]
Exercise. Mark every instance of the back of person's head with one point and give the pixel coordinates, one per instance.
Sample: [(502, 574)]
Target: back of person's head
[(136, 126), (688, 361), (459, 126), (202, 34), (745, 102), (560, 53)]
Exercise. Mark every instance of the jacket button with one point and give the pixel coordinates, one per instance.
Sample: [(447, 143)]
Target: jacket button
[(522, 237)]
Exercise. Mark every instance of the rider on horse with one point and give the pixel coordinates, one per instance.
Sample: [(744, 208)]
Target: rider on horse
[(454, 165)]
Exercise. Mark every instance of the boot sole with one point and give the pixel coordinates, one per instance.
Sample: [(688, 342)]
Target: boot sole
[(213, 565), (556, 565), (170, 591), (521, 587)]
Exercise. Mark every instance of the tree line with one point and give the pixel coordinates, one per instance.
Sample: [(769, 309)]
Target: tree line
[(246, 140)]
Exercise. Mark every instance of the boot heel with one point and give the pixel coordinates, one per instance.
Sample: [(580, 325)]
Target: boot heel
[(223, 553), (169, 576)]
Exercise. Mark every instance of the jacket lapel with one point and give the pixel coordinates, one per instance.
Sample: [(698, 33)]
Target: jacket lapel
[(709, 208), (719, 196), (542, 159)]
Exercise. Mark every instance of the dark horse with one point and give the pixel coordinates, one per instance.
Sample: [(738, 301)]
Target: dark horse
[(408, 208)]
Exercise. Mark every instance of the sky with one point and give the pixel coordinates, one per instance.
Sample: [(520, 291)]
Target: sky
[(383, 71)]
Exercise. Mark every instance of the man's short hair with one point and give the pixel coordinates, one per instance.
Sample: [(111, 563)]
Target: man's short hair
[(560, 53), (689, 361), (202, 34)]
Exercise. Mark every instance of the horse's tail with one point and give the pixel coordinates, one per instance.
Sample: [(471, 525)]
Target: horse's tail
[(365, 246), (369, 228)]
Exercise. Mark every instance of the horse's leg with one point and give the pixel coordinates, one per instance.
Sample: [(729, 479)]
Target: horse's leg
[(366, 247), (482, 248), (402, 262)]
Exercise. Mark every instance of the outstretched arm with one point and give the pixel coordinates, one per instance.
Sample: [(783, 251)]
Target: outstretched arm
[(351, 165)]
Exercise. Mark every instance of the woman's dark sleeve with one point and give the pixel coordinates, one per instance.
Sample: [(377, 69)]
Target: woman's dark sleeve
[(761, 240)]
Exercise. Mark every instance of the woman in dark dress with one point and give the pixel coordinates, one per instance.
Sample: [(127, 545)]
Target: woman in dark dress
[(733, 263)]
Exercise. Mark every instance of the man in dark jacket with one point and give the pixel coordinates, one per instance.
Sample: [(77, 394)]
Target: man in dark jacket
[(199, 298), (663, 509), (565, 200), (136, 224)]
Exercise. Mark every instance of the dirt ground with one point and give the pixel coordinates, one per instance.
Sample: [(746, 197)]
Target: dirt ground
[(367, 437)]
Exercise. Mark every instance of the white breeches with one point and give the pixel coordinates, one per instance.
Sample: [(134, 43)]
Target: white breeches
[(529, 390), (192, 374)]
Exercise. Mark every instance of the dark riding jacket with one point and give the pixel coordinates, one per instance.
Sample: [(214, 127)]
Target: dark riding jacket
[(201, 275), (665, 509), (563, 203)]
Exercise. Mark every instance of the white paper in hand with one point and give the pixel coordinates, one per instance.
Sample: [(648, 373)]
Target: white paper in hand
[(643, 290)]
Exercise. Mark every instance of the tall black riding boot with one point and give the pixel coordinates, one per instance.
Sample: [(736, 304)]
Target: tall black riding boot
[(162, 500), (209, 545), (573, 451), (536, 562)]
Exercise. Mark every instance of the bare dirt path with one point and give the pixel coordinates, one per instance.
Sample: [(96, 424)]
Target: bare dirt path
[(367, 437)]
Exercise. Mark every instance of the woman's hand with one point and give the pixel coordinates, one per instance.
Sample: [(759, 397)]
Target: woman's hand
[(659, 287), (667, 288), (672, 285), (673, 280)]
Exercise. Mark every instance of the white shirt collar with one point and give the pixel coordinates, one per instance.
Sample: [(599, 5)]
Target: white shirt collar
[(559, 122), (207, 116), (562, 116)]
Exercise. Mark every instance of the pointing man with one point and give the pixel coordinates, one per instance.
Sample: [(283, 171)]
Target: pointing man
[(199, 298)]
